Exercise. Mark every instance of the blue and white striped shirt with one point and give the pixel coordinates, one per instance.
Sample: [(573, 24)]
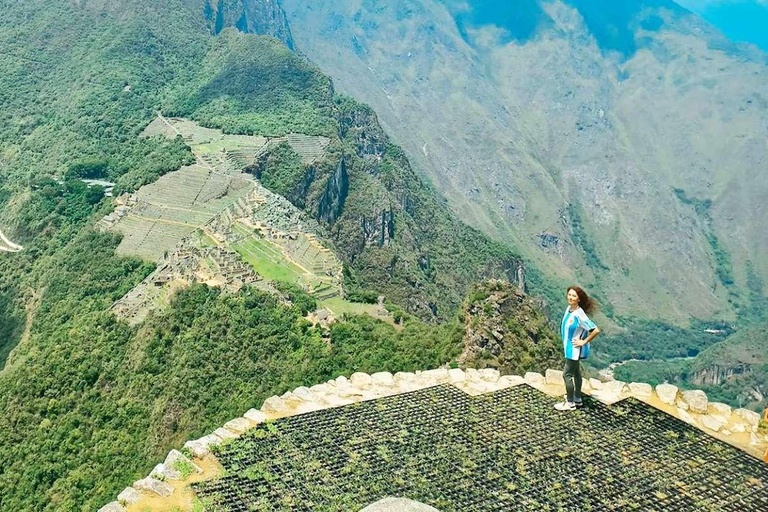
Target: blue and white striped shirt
[(575, 326)]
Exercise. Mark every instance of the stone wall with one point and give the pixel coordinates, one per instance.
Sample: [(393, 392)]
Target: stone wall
[(736, 426)]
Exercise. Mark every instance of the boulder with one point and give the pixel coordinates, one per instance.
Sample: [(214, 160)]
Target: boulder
[(383, 379), (405, 377), (153, 485), (341, 380), (360, 379), (696, 400), (115, 506), (238, 425), (720, 409), (163, 472), (681, 404), (456, 375), (129, 496), (202, 447), (585, 386), (274, 405), (667, 393), (750, 417), (640, 390), (490, 375), (712, 422), (398, 505), (554, 377), (725, 432), (596, 384), (255, 416), (534, 379)]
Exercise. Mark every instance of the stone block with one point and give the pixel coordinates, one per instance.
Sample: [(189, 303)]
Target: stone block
[(383, 379), (274, 405), (596, 384), (720, 409), (681, 404), (202, 447), (163, 472), (640, 390), (438, 376), (683, 415), (398, 505), (472, 373), (225, 434), (341, 380), (321, 389), (305, 394), (114, 506), (534, 379), (667, 393), (490, 375), (614, 387), (554, 377), (739, 428), (512, 380), (457, 375), (129, 496), (696, 400), (712, 422), (586, 387), (405, 377), (725, 432), (360, 379), (750, 417), (238, 425), (255, 416), (154, 485)]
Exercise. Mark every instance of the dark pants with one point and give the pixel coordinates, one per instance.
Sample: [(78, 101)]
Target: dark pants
[(572, 377)]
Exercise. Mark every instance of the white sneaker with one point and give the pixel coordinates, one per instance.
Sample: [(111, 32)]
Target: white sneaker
[(565, 406)]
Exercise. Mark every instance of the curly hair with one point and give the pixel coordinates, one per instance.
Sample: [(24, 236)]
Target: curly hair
[(587, 303)]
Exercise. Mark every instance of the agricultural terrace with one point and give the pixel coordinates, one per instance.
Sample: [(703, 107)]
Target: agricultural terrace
[(501, 451)]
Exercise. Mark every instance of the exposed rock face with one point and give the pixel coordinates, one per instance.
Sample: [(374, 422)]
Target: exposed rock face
[(505, 329), (248, 16), (715, 375), (336, 189)]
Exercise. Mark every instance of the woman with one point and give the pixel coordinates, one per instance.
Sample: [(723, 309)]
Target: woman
[(577, 331)]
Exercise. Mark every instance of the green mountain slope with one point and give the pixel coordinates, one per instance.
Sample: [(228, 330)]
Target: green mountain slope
[(87, 402), (587, 133)]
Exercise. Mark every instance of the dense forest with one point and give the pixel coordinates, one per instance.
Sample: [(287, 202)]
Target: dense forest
[(88, 402)]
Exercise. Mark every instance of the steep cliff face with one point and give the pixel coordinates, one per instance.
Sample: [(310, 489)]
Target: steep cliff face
[(248, 16), (506, 329), (566, 126)]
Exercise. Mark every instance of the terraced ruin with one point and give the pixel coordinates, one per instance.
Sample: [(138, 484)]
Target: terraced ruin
[(211, 222)]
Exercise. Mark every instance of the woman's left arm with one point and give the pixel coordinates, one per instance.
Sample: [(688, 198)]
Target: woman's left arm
[(592, 335)]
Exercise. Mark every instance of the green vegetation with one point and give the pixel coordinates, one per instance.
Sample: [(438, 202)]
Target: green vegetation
[(652, 340), (88, 403), (268, 260), (582, 239)]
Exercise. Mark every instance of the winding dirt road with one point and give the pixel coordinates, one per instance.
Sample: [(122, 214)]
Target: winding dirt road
[(8, 246)]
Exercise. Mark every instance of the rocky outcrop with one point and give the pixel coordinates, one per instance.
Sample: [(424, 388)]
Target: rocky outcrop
[(248, 16), (506, 329), (716, 374), (336, 189)]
